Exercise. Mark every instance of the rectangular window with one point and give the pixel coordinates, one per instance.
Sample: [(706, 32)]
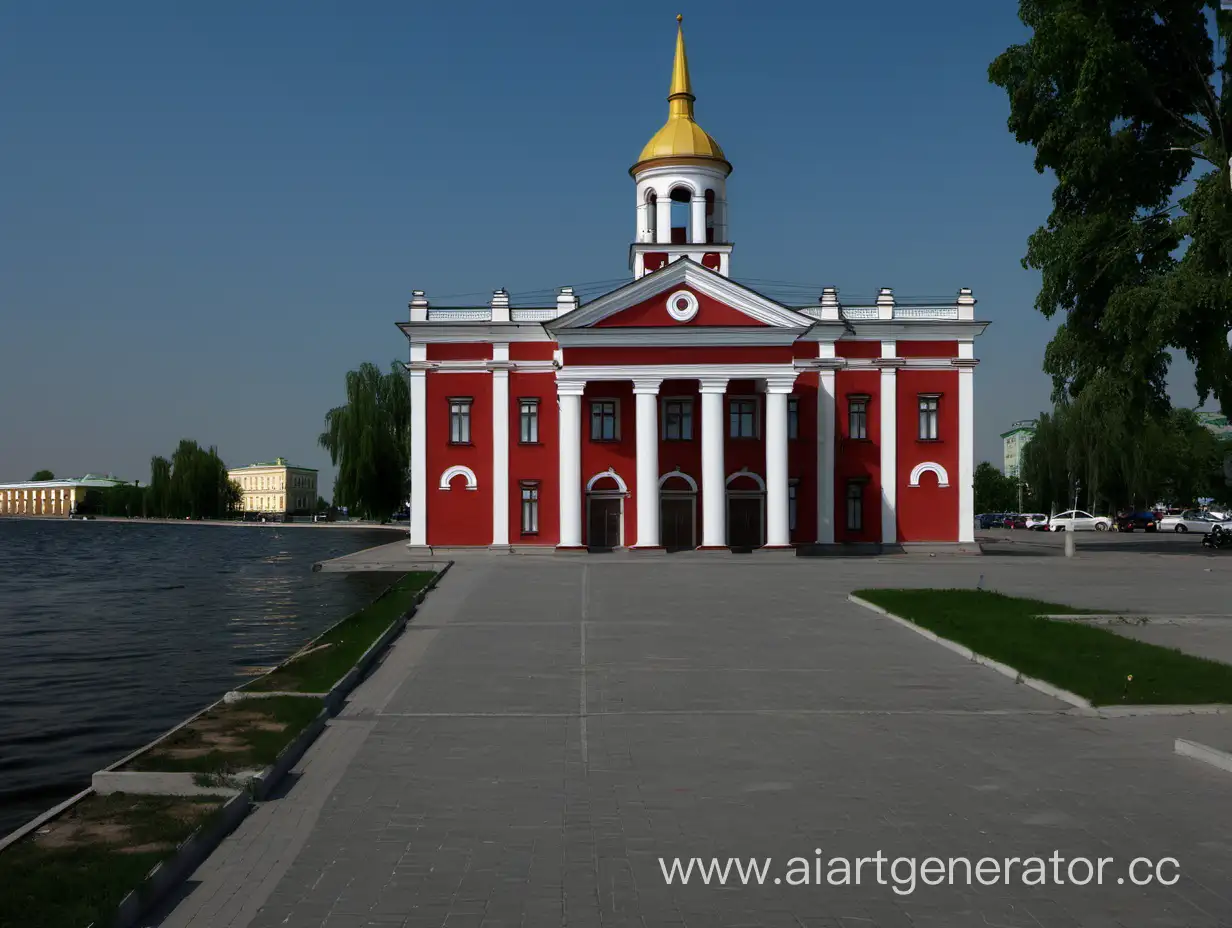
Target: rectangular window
[(529, 434), (929, 404), (460, 420), (857, 417), (793, 418), (742, 415), (678, 420), (604, 424), (855, 506), (530, 509), (792, 496)]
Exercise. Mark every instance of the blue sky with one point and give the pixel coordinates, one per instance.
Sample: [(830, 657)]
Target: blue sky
[(211, 213)]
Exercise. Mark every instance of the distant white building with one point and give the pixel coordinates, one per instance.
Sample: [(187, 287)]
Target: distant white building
[(51, 497), (276, 487), (1012, 443)]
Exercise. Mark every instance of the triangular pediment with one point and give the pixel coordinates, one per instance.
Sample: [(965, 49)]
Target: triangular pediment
[(682, 294)]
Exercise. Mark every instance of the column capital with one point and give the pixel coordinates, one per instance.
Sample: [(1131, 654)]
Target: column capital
[(650, 386), (964, 363), (712, 384), (570, 387), (784, 384)]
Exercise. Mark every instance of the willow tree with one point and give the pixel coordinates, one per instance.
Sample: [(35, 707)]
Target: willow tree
[(1126, 103), (368, 441)]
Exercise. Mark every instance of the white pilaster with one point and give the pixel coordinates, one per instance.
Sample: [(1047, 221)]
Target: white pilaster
[(419, 447), (570, 398), (714, 480), (778, 528), (647, 393), (825, 456), (888, 397), (698, 217), (966, 453), (500, 443), (663, 220)]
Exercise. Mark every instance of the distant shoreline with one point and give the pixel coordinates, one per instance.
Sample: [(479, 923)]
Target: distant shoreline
[(389, 526)]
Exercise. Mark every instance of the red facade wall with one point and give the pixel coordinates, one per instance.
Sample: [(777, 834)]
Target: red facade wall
[(721, 354), (802, 454), (653, 312), (459, 351), (459, 516), (927, 512), (937, 349), (857, 459), (852, 349), (539, 462), (531, 351)]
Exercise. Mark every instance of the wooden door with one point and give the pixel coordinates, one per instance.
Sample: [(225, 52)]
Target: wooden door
[(676, 523), (743, 522), (604, 523)]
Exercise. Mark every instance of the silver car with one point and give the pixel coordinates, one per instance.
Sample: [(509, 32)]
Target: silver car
[(1192, 520)]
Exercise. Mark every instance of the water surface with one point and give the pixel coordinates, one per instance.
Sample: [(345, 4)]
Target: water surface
[(111, 633)]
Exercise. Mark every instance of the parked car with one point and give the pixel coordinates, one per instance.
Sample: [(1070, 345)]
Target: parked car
[(1192, 520), (1145, 520), (985, 520), (1075, 520), (1035, 521)]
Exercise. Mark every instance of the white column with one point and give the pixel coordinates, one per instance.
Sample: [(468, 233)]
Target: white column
[(420, 478), (647, 393), (825, 456), (663, 220), (888, 397), (570, 397), (966, 451), (778, 528), (714, 480), (500, 445), (698, 232)]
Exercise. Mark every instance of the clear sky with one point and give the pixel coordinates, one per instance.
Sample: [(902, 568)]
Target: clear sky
[(212, 211)]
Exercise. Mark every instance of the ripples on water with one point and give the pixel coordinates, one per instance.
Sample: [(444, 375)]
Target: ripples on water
[(111, 633)]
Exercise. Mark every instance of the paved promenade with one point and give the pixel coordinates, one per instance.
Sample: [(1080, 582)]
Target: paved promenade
[(548, 728)]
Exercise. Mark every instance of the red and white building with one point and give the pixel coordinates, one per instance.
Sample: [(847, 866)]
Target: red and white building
[(684, 410)]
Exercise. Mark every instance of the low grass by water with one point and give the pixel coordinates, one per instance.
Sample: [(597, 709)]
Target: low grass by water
[(76, 869), (1090, 661), (340, 648), (245, 735)]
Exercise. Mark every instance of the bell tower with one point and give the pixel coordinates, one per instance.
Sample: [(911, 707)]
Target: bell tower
[(681, 181)]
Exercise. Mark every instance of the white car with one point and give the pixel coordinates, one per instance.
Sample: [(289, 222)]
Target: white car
[(1075, 520), (1036, 520), (1193, 520)]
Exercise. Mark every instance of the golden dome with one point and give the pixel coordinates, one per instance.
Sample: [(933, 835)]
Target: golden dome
[(681, 139)]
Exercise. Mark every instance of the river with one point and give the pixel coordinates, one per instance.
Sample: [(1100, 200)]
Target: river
[(113, 632)]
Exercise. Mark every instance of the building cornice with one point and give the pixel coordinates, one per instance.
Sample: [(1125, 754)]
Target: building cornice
[(916, 329), (473, 332), (683, 336), (725, 372), (482, 367)]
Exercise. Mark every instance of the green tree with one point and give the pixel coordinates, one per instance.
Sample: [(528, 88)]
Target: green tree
[(193, 484), (368, 441), (1125, 102), (43, 475), (994, 492), (322, 505)]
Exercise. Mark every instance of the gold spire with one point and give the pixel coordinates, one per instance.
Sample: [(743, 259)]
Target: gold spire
[(681, 139)]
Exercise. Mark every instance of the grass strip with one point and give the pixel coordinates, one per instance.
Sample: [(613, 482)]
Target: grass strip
[(76, 869), (237, 736), (1103, 667), (346, 642)]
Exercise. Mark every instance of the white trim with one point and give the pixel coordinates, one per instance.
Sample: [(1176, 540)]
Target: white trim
[(966, 454), (761, 484), (569, 451), (674, 336), (686, 272), (683, 476), (690, 306), (716, 372), (476, 332), (943, 478), (500, 450), (887, 399), (459, 470), (610, 472), (646, 397), (714, 497), (418, 389)]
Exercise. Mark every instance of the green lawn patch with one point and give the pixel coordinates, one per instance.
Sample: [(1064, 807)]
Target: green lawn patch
[(245, 735), (1087, 660), (329, 658), (75, 870)]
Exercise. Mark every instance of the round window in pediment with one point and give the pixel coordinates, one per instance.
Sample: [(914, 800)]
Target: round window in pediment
[(682, 306)]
